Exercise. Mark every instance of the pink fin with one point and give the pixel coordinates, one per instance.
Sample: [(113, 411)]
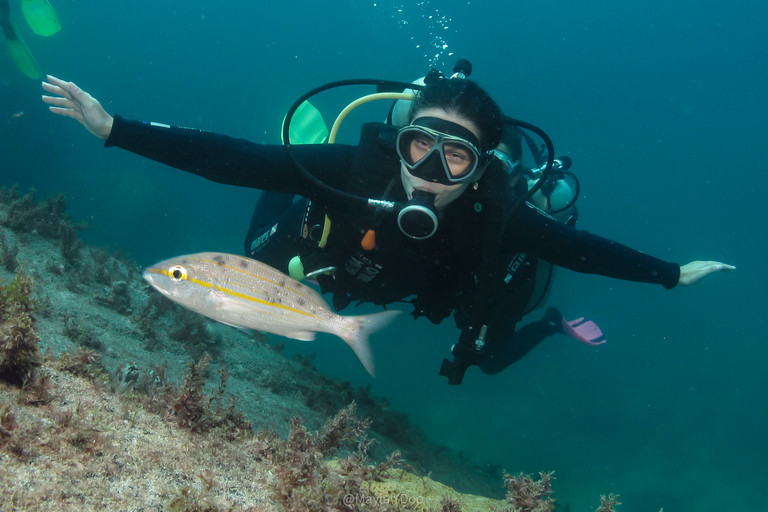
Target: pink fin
[(586, 332)]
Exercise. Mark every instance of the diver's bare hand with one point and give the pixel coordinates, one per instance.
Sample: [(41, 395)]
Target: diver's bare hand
[(695, 270), (71, 101)]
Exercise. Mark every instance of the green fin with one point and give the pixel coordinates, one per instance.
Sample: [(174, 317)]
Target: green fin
[(307, 126), (41, 17), (21, 55)]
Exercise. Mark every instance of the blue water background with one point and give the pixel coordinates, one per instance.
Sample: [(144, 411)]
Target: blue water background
[(662, 108)]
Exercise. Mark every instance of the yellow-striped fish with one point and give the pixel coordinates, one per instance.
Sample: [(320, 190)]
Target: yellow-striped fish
[(248, 294)]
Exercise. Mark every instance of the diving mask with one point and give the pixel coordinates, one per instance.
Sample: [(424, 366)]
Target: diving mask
[(439, 151)]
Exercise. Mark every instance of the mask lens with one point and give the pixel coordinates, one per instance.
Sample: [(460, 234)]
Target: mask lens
[(414, 144), (461, 159), (457, 157)]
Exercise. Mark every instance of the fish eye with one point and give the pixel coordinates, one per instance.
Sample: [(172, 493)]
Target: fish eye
[(177, 273)]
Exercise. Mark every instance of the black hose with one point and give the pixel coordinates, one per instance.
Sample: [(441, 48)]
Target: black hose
[(333, 194), (575, 193), (550, 160)]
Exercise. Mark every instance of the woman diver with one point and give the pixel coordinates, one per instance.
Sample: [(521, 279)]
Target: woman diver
[(451, 247)]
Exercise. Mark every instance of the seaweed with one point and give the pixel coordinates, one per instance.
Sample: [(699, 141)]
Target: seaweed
[(19, 354), (11, 439), (327, 395), (305, 483), (107, 268), (8, 423), (161, 318), (69, 244), (450, 505), (148, 320), (83, 362), (46, 218), (200, 412), (341, 429), (36, 391), (609, 503), (81, 334), (117, 297), (191, 407), (524, 494), (9, 195), (8, 253), (188, 499)]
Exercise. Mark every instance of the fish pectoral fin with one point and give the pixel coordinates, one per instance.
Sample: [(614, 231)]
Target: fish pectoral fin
[(301, 335), (250, 332)]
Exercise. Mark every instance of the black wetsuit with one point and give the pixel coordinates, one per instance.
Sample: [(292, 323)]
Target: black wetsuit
[(442, 272)]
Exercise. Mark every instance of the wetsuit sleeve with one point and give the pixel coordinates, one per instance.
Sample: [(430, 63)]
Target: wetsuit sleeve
[(535, 232), (233, 161)]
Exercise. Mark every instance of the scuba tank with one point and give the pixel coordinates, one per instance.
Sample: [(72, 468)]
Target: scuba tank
[(557, 197), (558, 194)]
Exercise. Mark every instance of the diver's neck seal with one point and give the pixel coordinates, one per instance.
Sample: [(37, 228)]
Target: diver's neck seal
[(418, 218)]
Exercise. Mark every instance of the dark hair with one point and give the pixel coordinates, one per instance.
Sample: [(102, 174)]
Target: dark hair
[(466, 99)]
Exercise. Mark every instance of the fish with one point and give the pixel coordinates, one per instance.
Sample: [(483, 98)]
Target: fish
[(251, 295)]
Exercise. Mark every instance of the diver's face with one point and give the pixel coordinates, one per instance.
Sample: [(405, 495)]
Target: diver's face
[(444, 194), (459, 158)]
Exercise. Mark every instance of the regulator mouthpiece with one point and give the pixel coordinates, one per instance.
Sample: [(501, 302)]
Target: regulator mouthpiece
[(418, 219)]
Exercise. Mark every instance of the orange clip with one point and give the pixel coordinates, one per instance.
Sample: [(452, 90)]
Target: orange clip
[(369, 240)]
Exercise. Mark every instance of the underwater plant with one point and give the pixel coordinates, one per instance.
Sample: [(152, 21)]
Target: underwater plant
[(81, 333), (160, 320), (524, 494), (117, 297), (83, 362), (198, 411), (8, 253), (305, 483), (19, 355), (46, 218), (609, 503)]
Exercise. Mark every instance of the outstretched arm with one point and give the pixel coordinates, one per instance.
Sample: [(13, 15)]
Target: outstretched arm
[(71, 101), (583, 252), (213, 156), (695, 270)]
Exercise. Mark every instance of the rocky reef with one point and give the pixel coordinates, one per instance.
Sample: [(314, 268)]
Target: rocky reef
[(113, 398)]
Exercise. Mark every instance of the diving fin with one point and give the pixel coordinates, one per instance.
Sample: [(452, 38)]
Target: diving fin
[(586, 331), (307, 126), (41, 17), (19, 51)]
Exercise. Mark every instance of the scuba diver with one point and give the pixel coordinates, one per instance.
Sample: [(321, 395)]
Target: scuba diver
[(423, 211), (531, 277), (43, 21)]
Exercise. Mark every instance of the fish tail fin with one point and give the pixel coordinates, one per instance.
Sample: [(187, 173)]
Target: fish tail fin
[(357, 336)]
